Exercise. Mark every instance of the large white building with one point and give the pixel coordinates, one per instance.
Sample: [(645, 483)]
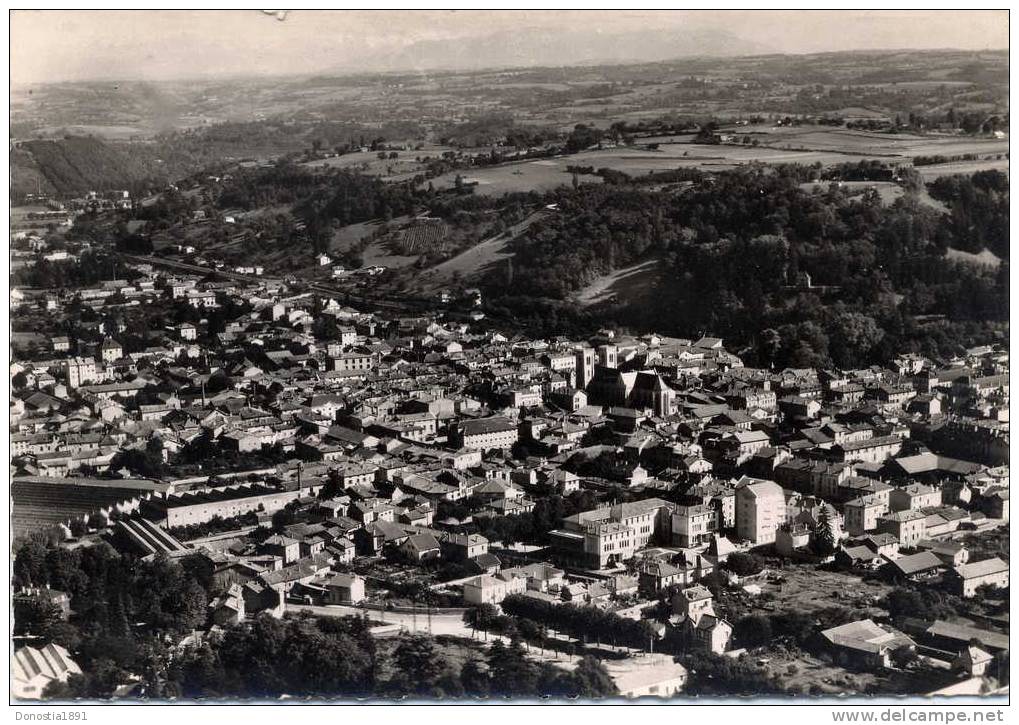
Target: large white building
[(862, 514), (81, 370), (969, 577), (610, 535), (486, 589), (760, 510), (485, 433)]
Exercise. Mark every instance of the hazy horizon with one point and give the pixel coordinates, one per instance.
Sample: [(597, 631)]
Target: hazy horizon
[(167, 45)]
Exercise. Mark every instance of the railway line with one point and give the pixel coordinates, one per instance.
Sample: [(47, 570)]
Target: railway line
[(404, 304)]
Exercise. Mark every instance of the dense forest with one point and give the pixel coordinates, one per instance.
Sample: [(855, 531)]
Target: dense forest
[(798, 278), (979, 210), (322, 203), (77, 164)]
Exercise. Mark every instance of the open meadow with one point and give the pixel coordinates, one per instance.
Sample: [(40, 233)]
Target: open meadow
[(776, 145)]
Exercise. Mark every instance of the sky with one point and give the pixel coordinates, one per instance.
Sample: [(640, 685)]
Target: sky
[(62, 45)]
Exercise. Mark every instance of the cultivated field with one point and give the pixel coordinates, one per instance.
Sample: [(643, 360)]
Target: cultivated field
[(379, 254), (776, 145), (539, 175), (929, 173), (405, 165), (20, 213), (471, 262), (842, 140)]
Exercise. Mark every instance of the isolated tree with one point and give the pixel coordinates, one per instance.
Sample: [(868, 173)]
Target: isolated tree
[(592, 679), (743, 564), (474, 677), (511, 672), (421, 668), (752, 631), (824, 534)]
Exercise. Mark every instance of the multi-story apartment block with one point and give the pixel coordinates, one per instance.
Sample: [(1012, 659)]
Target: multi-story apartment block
[(760, 510), (914, 497), (610, 535), (81, 370), (692, 525), (862, 514), (909, 527), (486, 433)]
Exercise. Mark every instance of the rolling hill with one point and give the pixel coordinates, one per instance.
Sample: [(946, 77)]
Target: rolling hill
[(76, 164)]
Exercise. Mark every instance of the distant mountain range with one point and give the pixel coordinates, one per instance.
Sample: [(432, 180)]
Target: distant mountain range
[(530, 47)]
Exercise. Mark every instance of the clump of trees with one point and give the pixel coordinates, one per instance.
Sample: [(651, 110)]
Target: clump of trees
[(123, 611), (349, 198), (579, 621), (978, 210), (744, 564), (799, 628), (420, 668), (922, 603), (823, 540), (302, 657), (713, 674), (530, 527)]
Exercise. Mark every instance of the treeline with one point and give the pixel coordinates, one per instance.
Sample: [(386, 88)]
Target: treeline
[(581, 622), (284, 183), (941, 159), (302, 657), (978, 210), (595, 230), (320, 202), (215, 525), (494, 128), (614, 176)]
